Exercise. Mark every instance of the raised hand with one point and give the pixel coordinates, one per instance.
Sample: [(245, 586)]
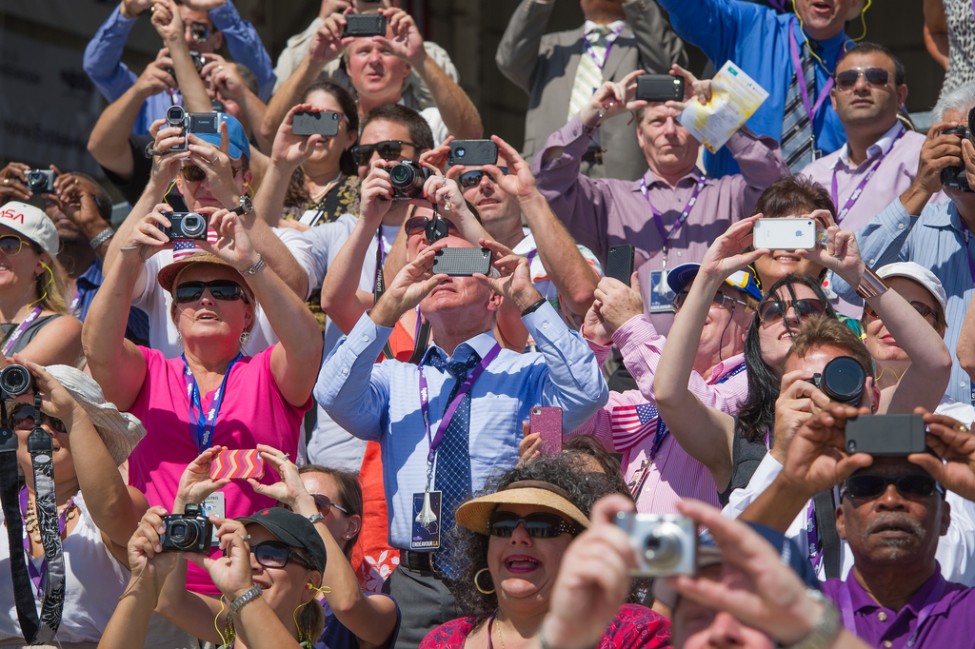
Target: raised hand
[(954, 443), (406, 41), (291, 149), (412, 283), (514, 281), (817, 457), (730, 251), (611, 99), (196, 484)]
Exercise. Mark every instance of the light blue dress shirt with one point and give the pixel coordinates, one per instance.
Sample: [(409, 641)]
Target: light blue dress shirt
[(381, 401), (756, 38), (936, 240), (103, 59)]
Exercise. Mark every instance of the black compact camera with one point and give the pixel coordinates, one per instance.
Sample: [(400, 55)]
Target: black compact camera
[(191, 123), (665, 544), (842, 380), (187, 532), (365, 25), (40, 181), (955, 176), (15, 380), (407, 178), (198, 60), (186, 225)]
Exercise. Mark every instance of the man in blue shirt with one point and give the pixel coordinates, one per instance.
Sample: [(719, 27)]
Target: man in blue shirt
[(209, 24), (765, 45), (411, 410)]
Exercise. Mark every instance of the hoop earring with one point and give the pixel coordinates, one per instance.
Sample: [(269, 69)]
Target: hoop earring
[(477, 584)]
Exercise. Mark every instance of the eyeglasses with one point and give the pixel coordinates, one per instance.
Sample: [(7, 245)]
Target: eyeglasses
[(773, 310), (418, 225), (720, 299), (11, 244), (275, 554), (923, 309), (193, 174), (538, 526), (23, 418), (220, 289), (847, 79), (387, 149), (473, 178), (324, 503), (912, 485)]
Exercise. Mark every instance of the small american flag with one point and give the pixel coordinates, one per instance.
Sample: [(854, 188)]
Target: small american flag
[(633, 422), (183, 248)]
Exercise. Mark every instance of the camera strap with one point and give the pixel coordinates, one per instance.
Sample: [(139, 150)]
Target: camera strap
[(10, 341), (825, 507)]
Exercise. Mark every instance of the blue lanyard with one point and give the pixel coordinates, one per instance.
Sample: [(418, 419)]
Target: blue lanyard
[(202, 425)]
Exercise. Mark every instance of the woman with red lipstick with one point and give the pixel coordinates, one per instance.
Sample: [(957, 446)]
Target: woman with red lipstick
[(512, 542)]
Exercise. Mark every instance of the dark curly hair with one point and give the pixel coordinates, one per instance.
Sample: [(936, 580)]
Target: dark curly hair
[(469, 549)]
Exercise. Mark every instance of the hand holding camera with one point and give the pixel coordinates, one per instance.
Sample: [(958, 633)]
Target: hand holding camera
[(513, 281), (817, 458), (196, 484), (375, 193), (954, 444), (611, 99), (730, 253), (292, 147), (231, 573), (157, 76), (330, 39), (224, 77), (147, 560), (406, 41), (13, 182)]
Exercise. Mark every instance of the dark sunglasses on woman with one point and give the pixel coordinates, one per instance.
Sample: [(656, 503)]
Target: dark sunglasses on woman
[(193, 174), (387, 149), (773, 310), (220, 289), (911, 485), (277, 554), (11, 244), (324, 504), (22, 417), (538, 526)]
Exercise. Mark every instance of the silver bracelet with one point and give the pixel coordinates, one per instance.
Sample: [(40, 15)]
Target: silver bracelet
[(249, 596), (254, 269), (100, 238)]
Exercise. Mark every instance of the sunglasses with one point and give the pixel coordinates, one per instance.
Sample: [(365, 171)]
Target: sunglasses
[(11, 244), (720, 299), (912, 485), (276, 554), (324, 503), (538, 526), (773, 310), (470, 179), (24, 417), (921, 308), (418, 225), (193, 174), (847, 79), (387, 149), (220, 289)]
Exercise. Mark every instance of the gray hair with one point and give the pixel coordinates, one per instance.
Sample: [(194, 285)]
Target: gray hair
[(961, 99)]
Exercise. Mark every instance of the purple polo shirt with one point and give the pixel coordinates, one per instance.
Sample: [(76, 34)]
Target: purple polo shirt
[(949, 622), (606, 212)]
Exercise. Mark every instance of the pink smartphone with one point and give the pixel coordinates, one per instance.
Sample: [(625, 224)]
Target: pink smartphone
[(547, 422), (237, 464)]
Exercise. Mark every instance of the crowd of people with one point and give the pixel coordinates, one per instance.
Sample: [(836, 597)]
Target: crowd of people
[(329, 385)]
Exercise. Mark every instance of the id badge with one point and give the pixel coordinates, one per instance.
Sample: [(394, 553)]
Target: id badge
[(426, 520), (215, 505), (661, 297)]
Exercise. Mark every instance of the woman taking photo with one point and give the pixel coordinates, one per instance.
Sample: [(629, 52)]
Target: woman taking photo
[(512, 542), (34, 316), (212, 394)]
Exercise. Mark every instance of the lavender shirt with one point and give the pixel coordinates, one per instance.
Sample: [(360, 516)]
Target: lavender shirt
[(606, 212), (950, 622)]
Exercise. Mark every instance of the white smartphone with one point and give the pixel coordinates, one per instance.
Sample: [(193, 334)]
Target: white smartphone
[(785, 234)]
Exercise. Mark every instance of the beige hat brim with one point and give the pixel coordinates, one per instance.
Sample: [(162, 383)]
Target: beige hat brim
[(168, 274), (475, 514)]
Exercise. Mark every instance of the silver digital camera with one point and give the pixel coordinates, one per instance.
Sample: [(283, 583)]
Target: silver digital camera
[(666, 544), (186, 225)]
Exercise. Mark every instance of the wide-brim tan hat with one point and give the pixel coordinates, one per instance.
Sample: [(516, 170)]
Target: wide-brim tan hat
[(475, 514), (120, 431), (168, 274)]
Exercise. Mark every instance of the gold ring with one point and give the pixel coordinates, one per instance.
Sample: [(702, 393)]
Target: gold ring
[(6, 181), (962, 428)]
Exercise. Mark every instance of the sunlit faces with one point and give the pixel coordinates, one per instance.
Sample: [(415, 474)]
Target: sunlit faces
[(283, 588), (775, 335), (376, 72), (892, 528), (492, 203), (816, 359), (868, 103), (382, 130), (524, 568), (779, 263), (342, 526), (880, 343), (208, 317), (724, 329), (201, 19), (21, 267), (823, 19), (669, 149), (956, 195), (458, 297), (64, 470), (330, 148), (198, 194)]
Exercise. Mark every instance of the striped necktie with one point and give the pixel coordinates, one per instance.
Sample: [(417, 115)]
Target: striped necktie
[(589, 75), (797, 134)]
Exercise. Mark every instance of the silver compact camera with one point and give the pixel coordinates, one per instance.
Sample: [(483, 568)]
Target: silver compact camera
[(186, 225), (40, 181), (665, 544)]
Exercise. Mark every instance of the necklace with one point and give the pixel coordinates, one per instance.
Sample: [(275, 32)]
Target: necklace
[(66, 512), (500, 633)]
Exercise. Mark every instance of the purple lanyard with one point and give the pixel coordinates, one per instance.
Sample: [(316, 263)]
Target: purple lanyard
[(610, 41), (846, 607), (39, 575), (855, 196), (21, 328), (202, 428), (813, 540), (801, 79), (679, 223), (448, 414), (380, 258)]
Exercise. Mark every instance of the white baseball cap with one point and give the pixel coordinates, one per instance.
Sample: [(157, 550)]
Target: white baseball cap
[(33, 224), (919, 274)]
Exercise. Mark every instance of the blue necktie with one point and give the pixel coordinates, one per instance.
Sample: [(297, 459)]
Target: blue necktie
[(453, 476)]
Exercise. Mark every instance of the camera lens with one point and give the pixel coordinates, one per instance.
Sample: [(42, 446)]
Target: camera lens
[(182, 535), (461, 152), (35, 180), (662, 547), (174, 116), (193, 225), (843, 379), (14, 380), (402, 175)]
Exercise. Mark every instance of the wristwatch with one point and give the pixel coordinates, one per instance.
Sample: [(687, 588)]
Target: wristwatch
[(249, 596), (246, 206), (827, 628), (314, 518)]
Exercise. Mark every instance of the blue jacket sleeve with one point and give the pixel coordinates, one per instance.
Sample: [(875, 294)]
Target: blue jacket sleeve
[(715, 26), (245, 46), (103, 57)]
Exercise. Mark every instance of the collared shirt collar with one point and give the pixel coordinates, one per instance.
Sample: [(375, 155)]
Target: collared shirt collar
[(946, 218), (827, 50), (879, 148), (725, 367), (481, 343), (615, 26), (861, 599), (650, 178)]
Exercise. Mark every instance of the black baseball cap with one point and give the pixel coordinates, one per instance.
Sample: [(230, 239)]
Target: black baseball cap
[(293, 529)]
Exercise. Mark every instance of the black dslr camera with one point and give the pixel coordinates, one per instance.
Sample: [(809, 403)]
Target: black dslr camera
[(407, 178), (842, 380), (955, 176), (40, 181), (186, 225), (15, 380), (187, 532)]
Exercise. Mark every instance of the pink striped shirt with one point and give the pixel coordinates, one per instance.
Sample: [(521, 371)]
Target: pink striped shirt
[(628, 423)]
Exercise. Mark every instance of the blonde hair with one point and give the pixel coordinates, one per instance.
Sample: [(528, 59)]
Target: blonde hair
[(49, 286)]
